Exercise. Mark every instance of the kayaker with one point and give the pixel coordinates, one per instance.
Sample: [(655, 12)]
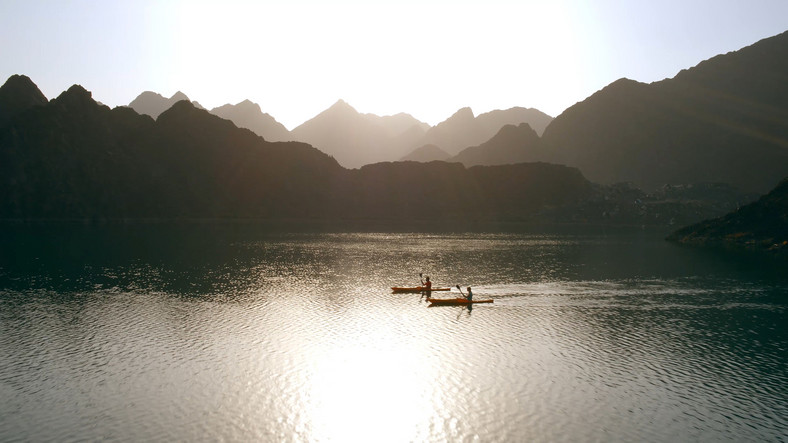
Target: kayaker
[(470, 294), (428, 284)]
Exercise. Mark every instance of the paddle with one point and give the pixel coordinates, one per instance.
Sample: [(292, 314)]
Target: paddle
[(463, 306)]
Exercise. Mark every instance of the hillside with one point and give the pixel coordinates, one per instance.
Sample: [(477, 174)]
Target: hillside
[(74, 159), (427, 153), (759, 226), (153, 104), (512, 144), (725, 120), (249, 115)]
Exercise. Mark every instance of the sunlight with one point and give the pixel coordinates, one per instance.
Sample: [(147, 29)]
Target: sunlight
[(361, 394)]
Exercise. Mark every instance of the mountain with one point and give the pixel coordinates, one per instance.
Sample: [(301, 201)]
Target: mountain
[(725, 120), (17, 95), (462, 129), (759, 226), (153, 104), (74, 159), (427, 153), (398, 124), (494, 120), (249, 115), (354, 139), (512, 144)]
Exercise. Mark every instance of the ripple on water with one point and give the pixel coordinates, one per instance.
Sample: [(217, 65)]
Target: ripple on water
[(299, 339)]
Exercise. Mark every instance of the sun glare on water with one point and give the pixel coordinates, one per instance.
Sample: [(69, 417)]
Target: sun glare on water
[(362, 394)]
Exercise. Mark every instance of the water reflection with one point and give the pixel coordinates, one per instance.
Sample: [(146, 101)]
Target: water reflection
[(211, 333)]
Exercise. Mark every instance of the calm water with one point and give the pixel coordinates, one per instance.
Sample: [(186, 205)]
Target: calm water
[(206, 334)]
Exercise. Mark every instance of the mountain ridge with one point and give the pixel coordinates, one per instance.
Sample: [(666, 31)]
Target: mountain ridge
[(75, 159), (725, 120)]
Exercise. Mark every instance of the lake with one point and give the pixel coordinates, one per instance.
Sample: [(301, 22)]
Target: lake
[(240, 333)]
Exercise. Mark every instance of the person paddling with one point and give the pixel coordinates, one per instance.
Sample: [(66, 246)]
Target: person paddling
[(427, 285), (468, 297)]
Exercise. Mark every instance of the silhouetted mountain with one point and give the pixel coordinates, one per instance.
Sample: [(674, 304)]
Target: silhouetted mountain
[(153, 104), (759, 226), (352, 138), (356, 139), (726, 120), (75, 159), (455, 133), (462, 129), (17, 95), (398, 124), (512, 144), (493, 121), (249, 115), (427, 153), (72, 158)]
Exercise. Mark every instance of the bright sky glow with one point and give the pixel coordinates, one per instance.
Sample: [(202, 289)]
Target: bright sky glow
[(425, 57)]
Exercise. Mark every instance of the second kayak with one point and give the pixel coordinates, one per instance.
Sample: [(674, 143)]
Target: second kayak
[(455, 301)]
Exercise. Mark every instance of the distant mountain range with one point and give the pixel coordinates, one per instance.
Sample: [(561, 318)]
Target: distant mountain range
[(153, 104), (357, 139), (249, 115), (73, 159), (725, 120), (721, 125)]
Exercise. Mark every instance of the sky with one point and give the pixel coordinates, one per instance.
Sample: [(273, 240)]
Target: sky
[(428, 58)]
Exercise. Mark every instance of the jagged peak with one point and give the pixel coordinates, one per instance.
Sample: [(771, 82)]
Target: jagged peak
[(178, 96), (249, 105), (20, 88), (342, 105), (147, 95), (510, 131), (182, 105), (463, 113), (18, 81), (74, 94)]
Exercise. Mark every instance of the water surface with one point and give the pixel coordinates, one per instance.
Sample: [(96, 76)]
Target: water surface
[(237, 333)]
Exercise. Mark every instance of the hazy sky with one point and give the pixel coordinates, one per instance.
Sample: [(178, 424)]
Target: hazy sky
[(424, 57)]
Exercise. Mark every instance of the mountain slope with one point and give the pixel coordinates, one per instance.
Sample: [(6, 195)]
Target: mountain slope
[(17, 95), (462, 129), (249, 115), (493, 121), (350, 137), (74, 159), (153, 104), (512, 144), (725, 120), (427, 153)]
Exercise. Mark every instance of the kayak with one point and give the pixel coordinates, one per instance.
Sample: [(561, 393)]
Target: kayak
[(455, 301), (419, 289)]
